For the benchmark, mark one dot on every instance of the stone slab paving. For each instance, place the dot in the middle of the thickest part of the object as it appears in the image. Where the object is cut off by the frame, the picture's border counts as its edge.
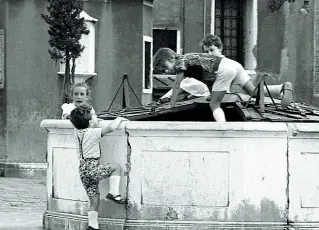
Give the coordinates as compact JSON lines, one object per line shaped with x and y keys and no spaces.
{"x":22,"y":203}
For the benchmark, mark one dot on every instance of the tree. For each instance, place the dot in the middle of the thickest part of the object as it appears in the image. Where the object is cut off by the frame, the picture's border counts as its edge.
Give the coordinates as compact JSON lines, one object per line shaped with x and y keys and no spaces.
{"x":65,"y":31}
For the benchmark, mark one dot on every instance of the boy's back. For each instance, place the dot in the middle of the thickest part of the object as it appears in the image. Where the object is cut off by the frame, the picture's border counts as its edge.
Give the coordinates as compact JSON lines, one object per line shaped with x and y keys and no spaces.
{"x":88,"y":142}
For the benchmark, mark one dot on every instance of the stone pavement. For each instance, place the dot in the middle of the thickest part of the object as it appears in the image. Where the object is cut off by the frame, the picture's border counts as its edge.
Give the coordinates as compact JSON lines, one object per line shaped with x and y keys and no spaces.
{"x":22,"y":203}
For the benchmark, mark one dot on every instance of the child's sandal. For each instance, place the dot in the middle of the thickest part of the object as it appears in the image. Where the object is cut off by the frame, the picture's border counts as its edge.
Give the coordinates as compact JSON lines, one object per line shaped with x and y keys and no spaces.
{"x":91,"y":228}
{"x":116,"y":199}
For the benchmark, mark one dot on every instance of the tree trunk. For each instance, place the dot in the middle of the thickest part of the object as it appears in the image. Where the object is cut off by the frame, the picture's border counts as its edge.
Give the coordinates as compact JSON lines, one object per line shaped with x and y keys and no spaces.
{"x":73,"y":70}
{"x":67,"y":79}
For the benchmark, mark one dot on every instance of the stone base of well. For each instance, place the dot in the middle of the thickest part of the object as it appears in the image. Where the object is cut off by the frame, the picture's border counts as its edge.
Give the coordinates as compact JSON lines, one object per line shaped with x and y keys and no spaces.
{"x":62,"y":221}
{"x":192,"y":175}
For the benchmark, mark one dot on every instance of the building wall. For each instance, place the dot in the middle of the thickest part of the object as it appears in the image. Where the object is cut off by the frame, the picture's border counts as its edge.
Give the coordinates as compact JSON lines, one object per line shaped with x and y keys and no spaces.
{"x":315,"y":100}
{"x":3,"y":119}
{"x":192,"y":18}
{"x":285,"y":47}
{"x":33,"y":88}
{"x":285,"y":50}
{"x":119,"y":45}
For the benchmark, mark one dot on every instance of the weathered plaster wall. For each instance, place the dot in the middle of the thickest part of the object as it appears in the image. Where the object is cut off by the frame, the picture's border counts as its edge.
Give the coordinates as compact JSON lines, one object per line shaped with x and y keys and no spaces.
{"x":204,"y":180}
{"x":285,"y":47}
{"x":303,"y":159}
{"x":147,"y":20}
{"x":32,"y":87}
{"x":168,"y":13}
{"x":196,"y":24}
{"x":3,"y":119}
{"x":119,"y":46}
{"x":192,"y":18}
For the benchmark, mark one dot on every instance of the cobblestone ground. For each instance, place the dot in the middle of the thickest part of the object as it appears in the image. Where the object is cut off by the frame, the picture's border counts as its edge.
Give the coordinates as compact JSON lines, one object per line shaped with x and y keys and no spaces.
{"x":22,"y":203}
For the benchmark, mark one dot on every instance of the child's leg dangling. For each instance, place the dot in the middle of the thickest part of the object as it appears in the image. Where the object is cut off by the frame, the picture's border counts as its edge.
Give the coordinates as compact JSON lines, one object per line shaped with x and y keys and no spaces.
{"x":93,"y":211}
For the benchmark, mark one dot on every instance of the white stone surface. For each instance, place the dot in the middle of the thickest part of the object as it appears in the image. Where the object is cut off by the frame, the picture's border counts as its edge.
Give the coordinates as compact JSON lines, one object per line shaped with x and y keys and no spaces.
{"x":202,"y":171}
{"x":303,"y":167}
{"x":188,"y":178}
{"x":309,"y":184}
{"x":244,"y":162}
{"x":65,"y":191}
{"x":66,"y":179}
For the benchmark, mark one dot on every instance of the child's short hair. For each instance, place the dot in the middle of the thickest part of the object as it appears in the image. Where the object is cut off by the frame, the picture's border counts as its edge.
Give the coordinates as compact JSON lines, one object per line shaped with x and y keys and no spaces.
{"x":80,"y":116}
{"x":210,"y":40}
{"x":160,"y":57}
{"x":81,"y":84}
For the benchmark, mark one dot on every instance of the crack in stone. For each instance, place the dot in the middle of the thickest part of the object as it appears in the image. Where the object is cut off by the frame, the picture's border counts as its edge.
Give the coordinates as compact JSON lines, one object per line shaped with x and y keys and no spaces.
{"x":127,"y":174}
{"x":288,"y":178}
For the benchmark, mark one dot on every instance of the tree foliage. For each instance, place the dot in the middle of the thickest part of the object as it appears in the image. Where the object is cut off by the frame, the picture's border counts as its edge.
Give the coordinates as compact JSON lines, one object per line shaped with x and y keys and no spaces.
{"x":65,"y":31}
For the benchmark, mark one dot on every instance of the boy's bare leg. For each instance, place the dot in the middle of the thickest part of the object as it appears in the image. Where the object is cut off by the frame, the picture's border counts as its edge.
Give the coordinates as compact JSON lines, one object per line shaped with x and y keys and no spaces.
{"x":94,"y":202}
{"x":283,"y":92}
{"x":216,"y":99}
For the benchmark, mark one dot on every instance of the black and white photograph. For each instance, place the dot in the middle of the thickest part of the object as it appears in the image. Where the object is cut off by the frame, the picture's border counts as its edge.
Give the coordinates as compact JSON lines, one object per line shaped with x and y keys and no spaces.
{"x":159,"y":114}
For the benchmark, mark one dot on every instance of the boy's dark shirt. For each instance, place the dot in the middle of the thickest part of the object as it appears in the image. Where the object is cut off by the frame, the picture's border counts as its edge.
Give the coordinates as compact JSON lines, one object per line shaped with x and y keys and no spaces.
{"x":200,"y":66}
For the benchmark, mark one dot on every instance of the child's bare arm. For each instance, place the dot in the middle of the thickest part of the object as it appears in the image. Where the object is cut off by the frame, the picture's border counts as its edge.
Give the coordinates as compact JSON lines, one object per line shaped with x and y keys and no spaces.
{"x":112,"y":126}
{"x":65,"y":116}
{"x":66,"y":110}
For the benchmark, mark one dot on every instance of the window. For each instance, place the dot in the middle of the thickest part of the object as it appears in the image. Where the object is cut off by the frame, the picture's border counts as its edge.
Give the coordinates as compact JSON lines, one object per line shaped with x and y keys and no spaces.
{"x":169,"y":38}
{"x":229,"y":27}
{"x":147,"y":64}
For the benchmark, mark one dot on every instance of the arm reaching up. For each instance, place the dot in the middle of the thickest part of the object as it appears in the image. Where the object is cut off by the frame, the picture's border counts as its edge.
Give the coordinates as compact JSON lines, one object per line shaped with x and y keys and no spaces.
{"x":112,"y":126}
